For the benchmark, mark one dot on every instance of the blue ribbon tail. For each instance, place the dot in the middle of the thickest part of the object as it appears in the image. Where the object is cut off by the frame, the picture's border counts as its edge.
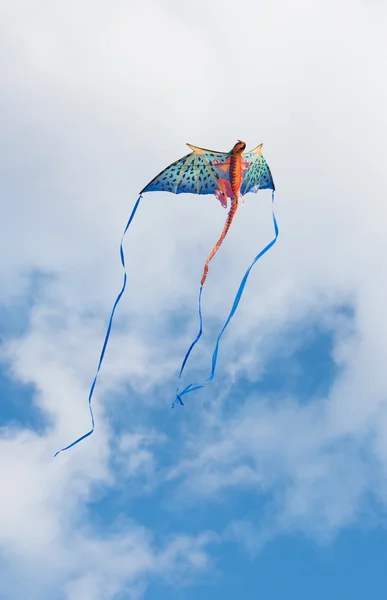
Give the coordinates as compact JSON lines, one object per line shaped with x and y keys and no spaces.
{"x":196,"y":386}
{"x":199,"y":335}
{"x":107,"y":333}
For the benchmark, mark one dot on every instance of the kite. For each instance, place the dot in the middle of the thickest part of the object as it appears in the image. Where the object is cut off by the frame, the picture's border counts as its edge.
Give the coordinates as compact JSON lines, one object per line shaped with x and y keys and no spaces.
{"x":227,"y":175}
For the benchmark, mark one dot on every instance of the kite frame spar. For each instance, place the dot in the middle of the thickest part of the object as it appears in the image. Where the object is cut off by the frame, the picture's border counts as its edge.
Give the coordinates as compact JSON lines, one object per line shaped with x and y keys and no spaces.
{"x":227,"y":175}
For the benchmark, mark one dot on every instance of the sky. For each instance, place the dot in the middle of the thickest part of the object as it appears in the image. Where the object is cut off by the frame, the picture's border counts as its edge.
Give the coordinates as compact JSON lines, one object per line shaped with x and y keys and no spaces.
{"x":271,"y":481}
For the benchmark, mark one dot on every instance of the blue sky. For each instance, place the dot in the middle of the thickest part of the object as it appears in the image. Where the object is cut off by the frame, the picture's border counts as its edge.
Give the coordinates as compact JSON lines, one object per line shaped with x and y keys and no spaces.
{"x":271,"y":481}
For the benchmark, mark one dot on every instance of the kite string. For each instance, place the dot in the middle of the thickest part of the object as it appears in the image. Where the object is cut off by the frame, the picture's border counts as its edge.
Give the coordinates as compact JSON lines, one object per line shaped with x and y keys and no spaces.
{"x":107,"y":332}
{"x":196,"y":386}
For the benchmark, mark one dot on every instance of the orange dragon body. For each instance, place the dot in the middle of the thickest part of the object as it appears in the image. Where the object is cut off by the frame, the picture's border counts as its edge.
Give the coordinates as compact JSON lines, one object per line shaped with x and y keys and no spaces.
{"x":234,"y":166}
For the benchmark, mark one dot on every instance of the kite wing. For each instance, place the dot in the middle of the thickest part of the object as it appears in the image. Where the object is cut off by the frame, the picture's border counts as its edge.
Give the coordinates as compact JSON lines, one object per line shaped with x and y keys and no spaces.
{"x":257,"y":175}
{"x":195,"y":173}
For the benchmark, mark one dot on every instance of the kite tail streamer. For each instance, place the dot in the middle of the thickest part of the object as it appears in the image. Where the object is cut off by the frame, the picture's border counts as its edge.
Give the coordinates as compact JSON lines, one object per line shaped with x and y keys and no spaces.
{"x":107,"y":332}
{"x":227,"y":225}
{"x":196,"y":386}
{"x":199,"y":335}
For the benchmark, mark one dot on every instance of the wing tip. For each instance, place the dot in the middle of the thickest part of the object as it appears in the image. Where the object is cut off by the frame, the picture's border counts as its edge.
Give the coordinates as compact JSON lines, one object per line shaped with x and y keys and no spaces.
{"x":257,"y":149}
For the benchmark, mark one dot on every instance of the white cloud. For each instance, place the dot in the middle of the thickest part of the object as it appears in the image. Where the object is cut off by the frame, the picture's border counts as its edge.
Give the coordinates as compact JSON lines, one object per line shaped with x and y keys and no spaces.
{"x":45,"y":530}
{"x":96,"y":99}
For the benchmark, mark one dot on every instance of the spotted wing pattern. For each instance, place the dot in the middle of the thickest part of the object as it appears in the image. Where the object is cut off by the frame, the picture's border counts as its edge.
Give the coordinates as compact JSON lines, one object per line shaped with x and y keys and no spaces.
{"x":257,"y":176}
{"x":192,"y":174}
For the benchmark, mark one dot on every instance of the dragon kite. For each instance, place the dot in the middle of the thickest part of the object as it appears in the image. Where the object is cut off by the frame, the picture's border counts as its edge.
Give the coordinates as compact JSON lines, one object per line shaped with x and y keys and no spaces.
{"x":227,"y":175}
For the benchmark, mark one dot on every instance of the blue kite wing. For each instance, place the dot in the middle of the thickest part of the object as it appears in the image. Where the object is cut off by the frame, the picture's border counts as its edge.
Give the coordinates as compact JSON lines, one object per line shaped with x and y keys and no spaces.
{"x":257,"y":176}
{"x":192,"y":174}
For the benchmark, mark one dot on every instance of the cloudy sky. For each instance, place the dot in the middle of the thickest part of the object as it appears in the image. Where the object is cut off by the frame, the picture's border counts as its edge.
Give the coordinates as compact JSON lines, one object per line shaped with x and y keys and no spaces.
{"x":271,"y":482}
